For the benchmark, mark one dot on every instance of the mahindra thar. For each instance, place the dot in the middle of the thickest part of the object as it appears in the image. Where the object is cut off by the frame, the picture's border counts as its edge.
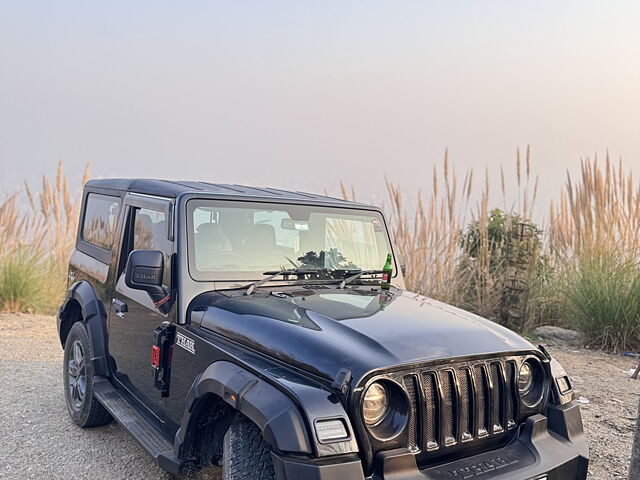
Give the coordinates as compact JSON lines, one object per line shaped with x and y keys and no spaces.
{"x":248,"y":328}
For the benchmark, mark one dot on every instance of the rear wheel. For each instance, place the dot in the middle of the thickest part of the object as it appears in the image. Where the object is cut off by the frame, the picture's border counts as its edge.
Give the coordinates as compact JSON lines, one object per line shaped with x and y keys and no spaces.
{"x":246,"y":454}
{"x":78,"y":376}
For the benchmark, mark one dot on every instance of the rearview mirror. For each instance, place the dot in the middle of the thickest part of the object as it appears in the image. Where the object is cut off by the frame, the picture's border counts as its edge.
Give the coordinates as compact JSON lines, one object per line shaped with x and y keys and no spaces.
{"x":300,"y":226}
{"x":144,"y":271}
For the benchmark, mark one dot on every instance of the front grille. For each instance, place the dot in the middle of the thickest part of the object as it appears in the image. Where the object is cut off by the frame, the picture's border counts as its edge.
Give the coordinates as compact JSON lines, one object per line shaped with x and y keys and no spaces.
{"x":455,"y":404}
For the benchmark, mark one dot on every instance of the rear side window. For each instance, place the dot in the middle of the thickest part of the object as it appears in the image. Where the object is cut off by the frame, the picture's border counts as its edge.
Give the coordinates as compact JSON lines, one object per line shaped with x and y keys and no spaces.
{"x":100,"y":219}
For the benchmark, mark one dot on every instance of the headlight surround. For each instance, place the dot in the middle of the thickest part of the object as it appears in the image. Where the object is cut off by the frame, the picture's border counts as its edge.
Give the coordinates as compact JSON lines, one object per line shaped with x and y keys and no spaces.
{"x":531,"y":382}
{"x":375,"y":404}
{"x":385,"y":409}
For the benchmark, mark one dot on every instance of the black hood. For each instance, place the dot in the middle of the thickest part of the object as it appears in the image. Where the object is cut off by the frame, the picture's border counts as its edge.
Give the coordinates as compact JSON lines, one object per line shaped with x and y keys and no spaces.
{"x":323,"y":329}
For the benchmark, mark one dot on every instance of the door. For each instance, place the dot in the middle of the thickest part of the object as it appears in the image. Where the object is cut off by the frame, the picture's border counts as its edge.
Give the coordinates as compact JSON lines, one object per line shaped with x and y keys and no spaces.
{"x":133,"y":316}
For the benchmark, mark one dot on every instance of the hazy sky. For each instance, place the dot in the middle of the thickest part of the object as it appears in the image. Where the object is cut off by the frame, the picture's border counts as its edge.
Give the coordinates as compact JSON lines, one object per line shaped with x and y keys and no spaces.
{"x":304,"y":94}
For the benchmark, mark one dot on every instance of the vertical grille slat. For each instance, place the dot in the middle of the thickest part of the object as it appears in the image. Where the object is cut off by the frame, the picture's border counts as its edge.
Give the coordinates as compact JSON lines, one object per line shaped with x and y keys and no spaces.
{"x":430,"y":412}
{"x":482,"y":389}
{"x":448,"y":413}
{"x":509,"y":393}
{"x":461,"y":403}
{"x":410,"y":382}
{"x":466,"y":405}
{"x":497,"y":397}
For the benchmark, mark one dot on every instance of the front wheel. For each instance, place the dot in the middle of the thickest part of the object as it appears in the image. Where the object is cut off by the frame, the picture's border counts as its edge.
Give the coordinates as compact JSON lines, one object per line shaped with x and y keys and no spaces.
{"x":246,"y":454}
{"x":78,"y":375}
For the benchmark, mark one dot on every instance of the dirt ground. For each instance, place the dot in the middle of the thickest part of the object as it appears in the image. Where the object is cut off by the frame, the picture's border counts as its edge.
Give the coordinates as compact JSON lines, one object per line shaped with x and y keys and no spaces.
{"x":38,"y":440}
{"x":609,"y":417}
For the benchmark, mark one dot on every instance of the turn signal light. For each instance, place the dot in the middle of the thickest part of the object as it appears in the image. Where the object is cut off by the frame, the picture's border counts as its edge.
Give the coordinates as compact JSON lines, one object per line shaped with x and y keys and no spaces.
{"x":329,"y":430}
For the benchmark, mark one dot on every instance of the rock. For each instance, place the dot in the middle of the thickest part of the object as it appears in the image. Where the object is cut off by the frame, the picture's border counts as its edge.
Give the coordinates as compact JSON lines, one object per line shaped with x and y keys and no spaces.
{"x":557,"y":335}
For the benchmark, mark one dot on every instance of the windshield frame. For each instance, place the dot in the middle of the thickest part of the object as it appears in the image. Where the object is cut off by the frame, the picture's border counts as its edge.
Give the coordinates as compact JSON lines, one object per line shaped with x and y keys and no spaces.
{"x":245,"y":276}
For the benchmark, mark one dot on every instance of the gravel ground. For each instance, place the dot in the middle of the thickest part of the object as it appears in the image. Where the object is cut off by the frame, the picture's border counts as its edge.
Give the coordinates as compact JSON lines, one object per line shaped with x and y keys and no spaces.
{"x":609,"y":417}
{"x":40,"y":441}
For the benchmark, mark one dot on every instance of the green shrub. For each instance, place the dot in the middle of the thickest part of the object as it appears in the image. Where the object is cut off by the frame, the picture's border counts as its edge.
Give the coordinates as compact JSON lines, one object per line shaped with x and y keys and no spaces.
{"x":602,"y":295}
{"x":21,"y":280}
{"x":501,"y":267}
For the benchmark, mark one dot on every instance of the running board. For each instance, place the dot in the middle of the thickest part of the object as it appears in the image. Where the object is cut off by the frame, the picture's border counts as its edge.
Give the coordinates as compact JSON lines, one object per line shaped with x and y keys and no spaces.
{"x":154,"y":442}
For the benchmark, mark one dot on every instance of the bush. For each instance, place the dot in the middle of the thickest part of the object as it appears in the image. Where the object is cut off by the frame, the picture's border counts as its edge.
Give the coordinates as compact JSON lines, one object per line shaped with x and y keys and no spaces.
{"x":602,"y":296}
{"x":501,"y":260}
{"x":21,"y":281}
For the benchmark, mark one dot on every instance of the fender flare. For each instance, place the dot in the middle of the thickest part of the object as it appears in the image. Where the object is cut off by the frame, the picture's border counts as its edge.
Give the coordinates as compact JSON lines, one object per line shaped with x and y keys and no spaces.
{"x":276,"y":415}
{"x":94,"y":317}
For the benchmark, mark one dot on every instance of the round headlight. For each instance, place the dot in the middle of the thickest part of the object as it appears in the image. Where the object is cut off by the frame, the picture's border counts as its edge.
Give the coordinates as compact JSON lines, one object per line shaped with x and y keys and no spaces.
{"x":376,"y":404}
{"x":525,"y":379}
{"x":531,"y":382}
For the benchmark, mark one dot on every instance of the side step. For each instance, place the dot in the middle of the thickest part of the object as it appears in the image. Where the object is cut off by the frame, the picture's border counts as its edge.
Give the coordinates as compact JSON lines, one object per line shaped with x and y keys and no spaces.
{"x":154,"y":442}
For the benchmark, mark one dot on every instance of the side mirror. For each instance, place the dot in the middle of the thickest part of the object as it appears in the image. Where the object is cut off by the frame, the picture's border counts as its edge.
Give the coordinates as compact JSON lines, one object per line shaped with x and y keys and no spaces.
{"x":144,"y":272}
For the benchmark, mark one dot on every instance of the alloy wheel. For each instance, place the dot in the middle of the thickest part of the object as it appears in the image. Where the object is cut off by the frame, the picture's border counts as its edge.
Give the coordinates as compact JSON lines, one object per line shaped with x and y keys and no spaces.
{"x":77,"y":375}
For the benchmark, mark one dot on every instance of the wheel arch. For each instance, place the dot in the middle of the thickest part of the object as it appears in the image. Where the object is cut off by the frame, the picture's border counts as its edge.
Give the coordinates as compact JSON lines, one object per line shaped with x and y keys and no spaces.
{"x":70,"y":313}
{"x":225,"y":391}
{"x":83,"y":304}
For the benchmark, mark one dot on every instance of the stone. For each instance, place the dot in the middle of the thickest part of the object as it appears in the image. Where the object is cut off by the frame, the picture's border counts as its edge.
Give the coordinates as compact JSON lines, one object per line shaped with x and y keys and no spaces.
{"x":557,"y":335}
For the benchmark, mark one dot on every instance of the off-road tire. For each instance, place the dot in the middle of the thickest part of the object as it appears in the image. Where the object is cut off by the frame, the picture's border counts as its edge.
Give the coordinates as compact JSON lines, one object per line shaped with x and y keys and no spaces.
{"x":85,"y":410}
{"x":246,"y":454}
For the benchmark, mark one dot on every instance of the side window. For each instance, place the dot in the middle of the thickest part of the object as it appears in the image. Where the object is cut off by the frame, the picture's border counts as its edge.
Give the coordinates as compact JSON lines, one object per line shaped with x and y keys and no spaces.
{"x":150,"y":233}
{"x":100,"y":219}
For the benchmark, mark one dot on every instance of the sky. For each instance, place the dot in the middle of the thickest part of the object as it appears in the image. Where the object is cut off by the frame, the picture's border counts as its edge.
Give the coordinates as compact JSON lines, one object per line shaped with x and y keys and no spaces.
{"x":302,"y":95}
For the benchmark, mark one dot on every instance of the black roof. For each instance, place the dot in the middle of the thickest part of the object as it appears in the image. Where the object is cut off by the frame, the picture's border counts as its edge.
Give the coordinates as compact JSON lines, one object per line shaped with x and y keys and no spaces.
{"x":173,"y":188}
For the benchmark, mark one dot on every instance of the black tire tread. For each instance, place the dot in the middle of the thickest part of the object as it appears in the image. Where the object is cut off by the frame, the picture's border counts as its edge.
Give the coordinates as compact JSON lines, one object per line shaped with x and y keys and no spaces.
{"x":246,"y":454}
{"x":93,"y":414}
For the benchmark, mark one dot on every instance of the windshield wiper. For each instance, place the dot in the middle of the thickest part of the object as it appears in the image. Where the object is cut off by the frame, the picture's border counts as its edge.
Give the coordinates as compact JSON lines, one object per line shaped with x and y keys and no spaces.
{"x":288,"y":271}
{"x":357,"y":276}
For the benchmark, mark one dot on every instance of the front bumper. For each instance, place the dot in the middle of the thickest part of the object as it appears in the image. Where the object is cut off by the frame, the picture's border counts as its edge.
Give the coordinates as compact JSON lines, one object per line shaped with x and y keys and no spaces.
{"x":552,"y":447}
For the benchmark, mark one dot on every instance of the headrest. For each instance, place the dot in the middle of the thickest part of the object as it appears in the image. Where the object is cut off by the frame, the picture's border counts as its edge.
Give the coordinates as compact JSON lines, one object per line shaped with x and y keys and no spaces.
{"x":210,"y":231}
{"x":264,"y":233}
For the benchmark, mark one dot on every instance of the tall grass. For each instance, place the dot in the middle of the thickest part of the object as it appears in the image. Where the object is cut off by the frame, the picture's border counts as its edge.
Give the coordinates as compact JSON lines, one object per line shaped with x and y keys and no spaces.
{"x":603,"y":301}
{"x":37,"y":233}
{"x":599,"y":212}
{"x":430,"y":239}
{"x":452,"y":245}
{"x":580,"y":270}
{"x":594,"y":240}
{"x":21,"y":280}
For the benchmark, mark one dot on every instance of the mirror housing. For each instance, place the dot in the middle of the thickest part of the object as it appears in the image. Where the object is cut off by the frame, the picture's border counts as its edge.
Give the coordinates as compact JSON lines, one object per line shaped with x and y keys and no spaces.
{"x":144,"y":272}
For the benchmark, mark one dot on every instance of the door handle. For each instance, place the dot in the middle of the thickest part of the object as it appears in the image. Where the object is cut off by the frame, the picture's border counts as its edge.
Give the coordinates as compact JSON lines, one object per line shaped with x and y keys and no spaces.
{"x":120,"y":307}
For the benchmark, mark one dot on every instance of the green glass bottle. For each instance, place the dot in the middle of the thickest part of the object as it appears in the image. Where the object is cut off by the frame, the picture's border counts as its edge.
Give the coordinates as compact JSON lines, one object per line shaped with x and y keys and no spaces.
{"x":387,"y":271}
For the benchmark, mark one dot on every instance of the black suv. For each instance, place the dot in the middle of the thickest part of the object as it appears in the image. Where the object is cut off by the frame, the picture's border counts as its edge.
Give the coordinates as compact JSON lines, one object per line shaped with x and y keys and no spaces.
{"x":247,"y":327}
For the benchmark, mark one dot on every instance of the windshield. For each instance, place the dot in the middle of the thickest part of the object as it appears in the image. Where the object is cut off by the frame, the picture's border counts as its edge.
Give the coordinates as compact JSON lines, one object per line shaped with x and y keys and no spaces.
{"x":242,"y":240}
